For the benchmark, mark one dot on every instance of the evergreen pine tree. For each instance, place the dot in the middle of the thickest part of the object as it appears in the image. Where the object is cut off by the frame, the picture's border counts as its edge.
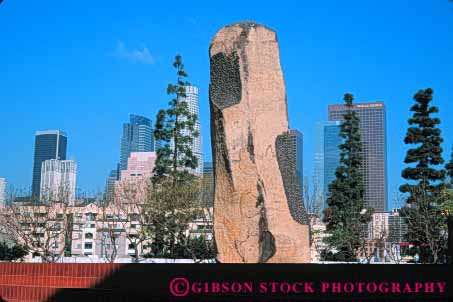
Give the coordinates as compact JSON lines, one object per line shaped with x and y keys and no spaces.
{"x":175,"y":131}
{"x":174,"y":199}
{"x":425,"y":179}
{"x":449,"y":168}
{"x":427,"y":154}
{"x":344,"y":215}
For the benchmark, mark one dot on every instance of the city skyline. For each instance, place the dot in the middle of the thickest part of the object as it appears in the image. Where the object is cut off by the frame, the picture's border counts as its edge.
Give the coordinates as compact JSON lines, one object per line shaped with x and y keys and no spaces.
{"x":334,"y":110}
{"x":321,"y":61}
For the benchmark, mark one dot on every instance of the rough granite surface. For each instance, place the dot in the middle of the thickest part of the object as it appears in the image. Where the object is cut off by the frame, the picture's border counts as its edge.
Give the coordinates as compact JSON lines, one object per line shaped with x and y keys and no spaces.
{"x":258,"y":210}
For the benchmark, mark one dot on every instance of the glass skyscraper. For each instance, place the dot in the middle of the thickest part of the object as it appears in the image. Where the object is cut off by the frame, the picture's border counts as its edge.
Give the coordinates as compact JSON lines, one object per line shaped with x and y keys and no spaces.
{"x":327,"y":158}
{"x":373,"y":133}
{"x":332,"y":140}
{"x":137,"y":137}
{"x":49,"y":144}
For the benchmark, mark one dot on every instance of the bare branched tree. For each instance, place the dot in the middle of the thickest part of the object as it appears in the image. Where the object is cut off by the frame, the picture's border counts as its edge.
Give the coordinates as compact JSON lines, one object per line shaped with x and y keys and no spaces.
{"x":109,"y":230}
{"x":393,"y":251}
{"x":313,"y":199}
{"x":130,"y":198}
{"x":426,"y":224}
{"x":378,"y":242}
{"x":313,"y":205}
{"x":41,"y":226}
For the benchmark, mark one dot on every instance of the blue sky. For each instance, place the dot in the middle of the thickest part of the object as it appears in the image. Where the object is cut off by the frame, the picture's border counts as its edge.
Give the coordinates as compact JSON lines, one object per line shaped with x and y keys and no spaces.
{"x":84,"y":66}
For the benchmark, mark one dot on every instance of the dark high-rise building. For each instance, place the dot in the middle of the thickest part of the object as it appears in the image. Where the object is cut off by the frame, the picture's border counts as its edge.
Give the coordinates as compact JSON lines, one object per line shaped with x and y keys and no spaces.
{"x":137,"y":137}
{"x":50,"y":144}
{"x":372,"y":130}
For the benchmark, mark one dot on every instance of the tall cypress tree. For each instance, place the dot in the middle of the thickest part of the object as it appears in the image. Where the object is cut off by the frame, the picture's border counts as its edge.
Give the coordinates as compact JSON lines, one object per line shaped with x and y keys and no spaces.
{"x":425,"y":179}
{"x":175,"y":131}
{"x":427,"y":153}
{"x":344,"y":215}
{"x":449,"y":168}
{"x":174,"y":199}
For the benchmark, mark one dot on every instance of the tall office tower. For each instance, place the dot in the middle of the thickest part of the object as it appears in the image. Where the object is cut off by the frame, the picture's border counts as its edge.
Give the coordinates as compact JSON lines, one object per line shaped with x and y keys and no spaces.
{"x":372,"y":130}
{"x":58,"y":180}
{"x":298,"y":155}
{"x":50,"y":144}
{"x":2,"y":192}
{"x":137,"y":137}
{"x":327,"y":158}
{"x":192,"y":103}
{"x":332,"y":140}
{"x":114,"y":175}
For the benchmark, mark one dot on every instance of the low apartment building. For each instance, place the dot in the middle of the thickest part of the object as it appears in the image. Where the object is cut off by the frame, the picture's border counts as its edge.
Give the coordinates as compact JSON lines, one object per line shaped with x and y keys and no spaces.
{"x":101,"y":232}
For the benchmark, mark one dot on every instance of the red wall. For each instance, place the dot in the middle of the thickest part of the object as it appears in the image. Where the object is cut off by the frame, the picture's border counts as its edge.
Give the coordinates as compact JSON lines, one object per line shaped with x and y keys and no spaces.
{"x":23,"y":282}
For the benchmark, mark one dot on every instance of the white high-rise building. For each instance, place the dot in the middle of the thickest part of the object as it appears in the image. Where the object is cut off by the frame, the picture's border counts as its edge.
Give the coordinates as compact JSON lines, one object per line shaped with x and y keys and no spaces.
{"x":58,"y":180}
{"x":192,"y":102}
{"x":2,"y":192}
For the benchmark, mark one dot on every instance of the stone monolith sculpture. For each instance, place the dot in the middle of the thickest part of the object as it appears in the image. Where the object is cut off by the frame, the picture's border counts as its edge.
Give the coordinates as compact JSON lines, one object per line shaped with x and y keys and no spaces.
{"x":258,"y":210}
